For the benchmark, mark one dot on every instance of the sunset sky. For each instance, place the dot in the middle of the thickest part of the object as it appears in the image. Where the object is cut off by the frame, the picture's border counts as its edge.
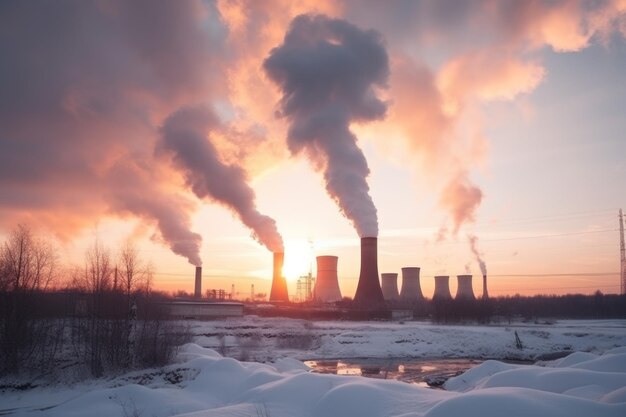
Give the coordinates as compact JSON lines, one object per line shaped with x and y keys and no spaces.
{"x":207,"y":131}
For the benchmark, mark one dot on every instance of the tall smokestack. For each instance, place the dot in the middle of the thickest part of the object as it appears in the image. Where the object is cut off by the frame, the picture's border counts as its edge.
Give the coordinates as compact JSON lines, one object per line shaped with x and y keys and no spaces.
{"x":198,"y":288}
{"x":442,"y":288}
{"x":464,"y":289}
{"x":279,"y":284}
{"x":411,"y":289}
{"x":390,"y":286}
{"x":368,"y":291}
{"x":485,"y":294}
{"x":327,"y":284}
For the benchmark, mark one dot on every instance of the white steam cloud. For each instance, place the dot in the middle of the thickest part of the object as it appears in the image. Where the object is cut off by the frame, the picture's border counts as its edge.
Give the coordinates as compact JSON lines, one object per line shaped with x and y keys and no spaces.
{"x":327,"y":70}
{"x":184,"y":138}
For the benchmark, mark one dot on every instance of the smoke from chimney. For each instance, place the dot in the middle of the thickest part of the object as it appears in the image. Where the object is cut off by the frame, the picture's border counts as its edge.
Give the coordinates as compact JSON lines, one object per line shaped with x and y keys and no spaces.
{"x":184,"y":138}
{"x":473,"y":246}
{"x":327,"y":70}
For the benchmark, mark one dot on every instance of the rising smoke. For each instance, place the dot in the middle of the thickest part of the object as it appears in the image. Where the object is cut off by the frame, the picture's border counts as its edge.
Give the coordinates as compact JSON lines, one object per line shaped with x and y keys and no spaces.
{"x":473,"y":240}
{"x":327,"y":70}
{"x":184,"y":139}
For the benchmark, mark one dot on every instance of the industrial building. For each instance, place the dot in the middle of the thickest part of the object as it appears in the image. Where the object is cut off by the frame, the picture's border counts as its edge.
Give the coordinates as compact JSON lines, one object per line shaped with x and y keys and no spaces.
{"x":411,"y":288}
{"x":201,"y":310}
{"x":442,"y":288}
{"x":279,"y":283}
{"x":464,"y":289}
{"x":369,"y":295}
{"x":389,"y":286}
{"x":327,"y":284}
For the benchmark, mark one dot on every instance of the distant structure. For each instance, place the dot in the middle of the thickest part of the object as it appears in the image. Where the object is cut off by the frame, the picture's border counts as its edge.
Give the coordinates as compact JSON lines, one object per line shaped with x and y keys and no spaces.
{"x":622,"y":252}
{"x":485,"y":293}
{"x":304,"y":287}
{"x":442,"y":288}
{"x":279,"y":284}
{"x":327,"y":284}
{"x":411,"y":289}
{"x":368,"y":292}
{"x":464,"y":289}
{"x":390,"y":286}
{"x":198,"y":287}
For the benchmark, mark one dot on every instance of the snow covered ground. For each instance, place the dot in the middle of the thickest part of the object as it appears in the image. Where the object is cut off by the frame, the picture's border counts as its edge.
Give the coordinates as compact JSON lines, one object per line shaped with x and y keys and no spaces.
{"x":590,"y":382}
{"x":266,"y":339}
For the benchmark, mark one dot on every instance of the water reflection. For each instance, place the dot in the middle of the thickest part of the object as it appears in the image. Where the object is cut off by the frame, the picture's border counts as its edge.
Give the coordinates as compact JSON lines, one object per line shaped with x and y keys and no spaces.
{"x":420,"y":372}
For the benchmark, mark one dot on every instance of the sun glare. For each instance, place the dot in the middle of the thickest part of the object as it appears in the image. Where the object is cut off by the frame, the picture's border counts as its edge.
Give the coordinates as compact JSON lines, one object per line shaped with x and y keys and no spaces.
{"x":298,"y":259}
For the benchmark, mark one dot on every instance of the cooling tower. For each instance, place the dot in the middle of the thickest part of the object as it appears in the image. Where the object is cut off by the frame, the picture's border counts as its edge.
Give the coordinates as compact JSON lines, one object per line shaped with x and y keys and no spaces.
{"x":327,"y":284}
{"x":198,"y":288}
{"x":442,"y":288}
{"x":279,"y":284}
{"x":464,"y":289}
{"x":368,"y":293}
{"x":485,"y":294}
{"x":390,"y":286}
{"x":411,"y":289}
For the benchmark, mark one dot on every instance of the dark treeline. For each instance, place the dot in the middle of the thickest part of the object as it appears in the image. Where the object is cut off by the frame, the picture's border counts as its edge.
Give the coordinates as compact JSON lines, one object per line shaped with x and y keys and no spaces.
{"x":103,"y":320}
{"x":572,"y":306}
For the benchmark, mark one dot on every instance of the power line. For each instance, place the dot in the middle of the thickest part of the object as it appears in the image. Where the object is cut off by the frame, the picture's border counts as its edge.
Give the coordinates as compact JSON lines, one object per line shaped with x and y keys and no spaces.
{"x":552,"y":235}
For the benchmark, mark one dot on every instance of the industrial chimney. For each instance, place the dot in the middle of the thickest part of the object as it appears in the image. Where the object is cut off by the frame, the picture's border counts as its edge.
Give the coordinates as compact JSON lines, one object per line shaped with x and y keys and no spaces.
{"x":198,"y":288}
{"x":389,"y":286}
{"x":368,"y":292}
{"x":411,"y":289}
{"x":442,"y":288}
{"x":485,"y":294}
{"x":464,"y":289}
{"x":279,"y":284}
{"x":327,"y":284}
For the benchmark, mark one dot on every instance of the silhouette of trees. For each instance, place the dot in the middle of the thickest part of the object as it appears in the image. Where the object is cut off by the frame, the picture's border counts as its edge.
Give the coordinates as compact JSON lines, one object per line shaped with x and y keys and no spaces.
{"x":27,"y":334}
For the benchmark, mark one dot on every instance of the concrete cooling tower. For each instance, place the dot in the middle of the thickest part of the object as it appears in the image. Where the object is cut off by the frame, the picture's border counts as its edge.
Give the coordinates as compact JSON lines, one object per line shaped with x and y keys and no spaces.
{"x":390,"y":286}
{"x":411,"y":289}
{"x":464,"y":290}
{"x":442,"y":288}
{"x":279,"y":284}
{"x":327,"y":284}
{"x":368,"y":293}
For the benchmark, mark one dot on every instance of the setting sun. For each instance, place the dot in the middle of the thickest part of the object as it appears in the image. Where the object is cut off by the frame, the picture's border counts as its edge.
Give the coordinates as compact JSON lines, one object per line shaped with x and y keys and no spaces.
{"x":298,"y":259}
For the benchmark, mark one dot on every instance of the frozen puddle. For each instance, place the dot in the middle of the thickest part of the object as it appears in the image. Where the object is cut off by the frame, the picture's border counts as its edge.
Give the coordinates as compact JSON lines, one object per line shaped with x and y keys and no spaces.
{"x":422,"y":372}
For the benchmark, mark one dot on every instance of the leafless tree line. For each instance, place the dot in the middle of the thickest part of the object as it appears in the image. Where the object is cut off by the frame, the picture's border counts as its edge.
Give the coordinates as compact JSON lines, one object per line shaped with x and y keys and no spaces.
{"x":105,"y":319}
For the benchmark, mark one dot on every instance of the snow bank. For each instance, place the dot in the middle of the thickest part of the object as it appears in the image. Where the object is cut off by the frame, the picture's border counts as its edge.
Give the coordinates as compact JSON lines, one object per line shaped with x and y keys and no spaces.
{"x":205,"y":384}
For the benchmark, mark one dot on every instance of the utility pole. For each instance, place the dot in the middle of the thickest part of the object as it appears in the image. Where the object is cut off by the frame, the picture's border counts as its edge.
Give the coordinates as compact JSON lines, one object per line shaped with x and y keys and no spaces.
{"x":622,"y":248}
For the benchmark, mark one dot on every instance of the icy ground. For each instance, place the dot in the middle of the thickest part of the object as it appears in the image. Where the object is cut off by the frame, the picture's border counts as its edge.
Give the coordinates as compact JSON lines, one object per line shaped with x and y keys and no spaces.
{"x":267,"y":339}
{"x":589,"y":382}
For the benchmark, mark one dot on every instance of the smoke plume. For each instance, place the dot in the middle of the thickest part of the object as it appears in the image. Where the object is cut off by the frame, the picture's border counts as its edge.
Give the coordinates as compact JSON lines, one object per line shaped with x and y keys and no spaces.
{"x":473,"y":241}
{"x":461,"y":198}
{"x":184,"y":138}
{"x":327,"y":70}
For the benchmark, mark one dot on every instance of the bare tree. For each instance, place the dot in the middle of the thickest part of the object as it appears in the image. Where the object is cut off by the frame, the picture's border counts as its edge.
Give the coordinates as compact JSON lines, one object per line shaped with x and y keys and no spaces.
{"x":27,"y":268}
{"x":27,"y":264}
{"x":136,"y":275}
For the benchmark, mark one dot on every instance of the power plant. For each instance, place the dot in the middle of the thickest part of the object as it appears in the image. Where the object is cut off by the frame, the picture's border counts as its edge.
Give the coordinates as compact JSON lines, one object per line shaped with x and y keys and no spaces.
{"x":390,"y":286}
{"x":442,"y":288}
{"x":371,"y":294}
{"x":411,"y":289}
{"x":368,"y":292}
{"x":279,"y":283}
{"x":327,"y":284}
{"x":198,"y":285}
{"x":464,"y":289}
